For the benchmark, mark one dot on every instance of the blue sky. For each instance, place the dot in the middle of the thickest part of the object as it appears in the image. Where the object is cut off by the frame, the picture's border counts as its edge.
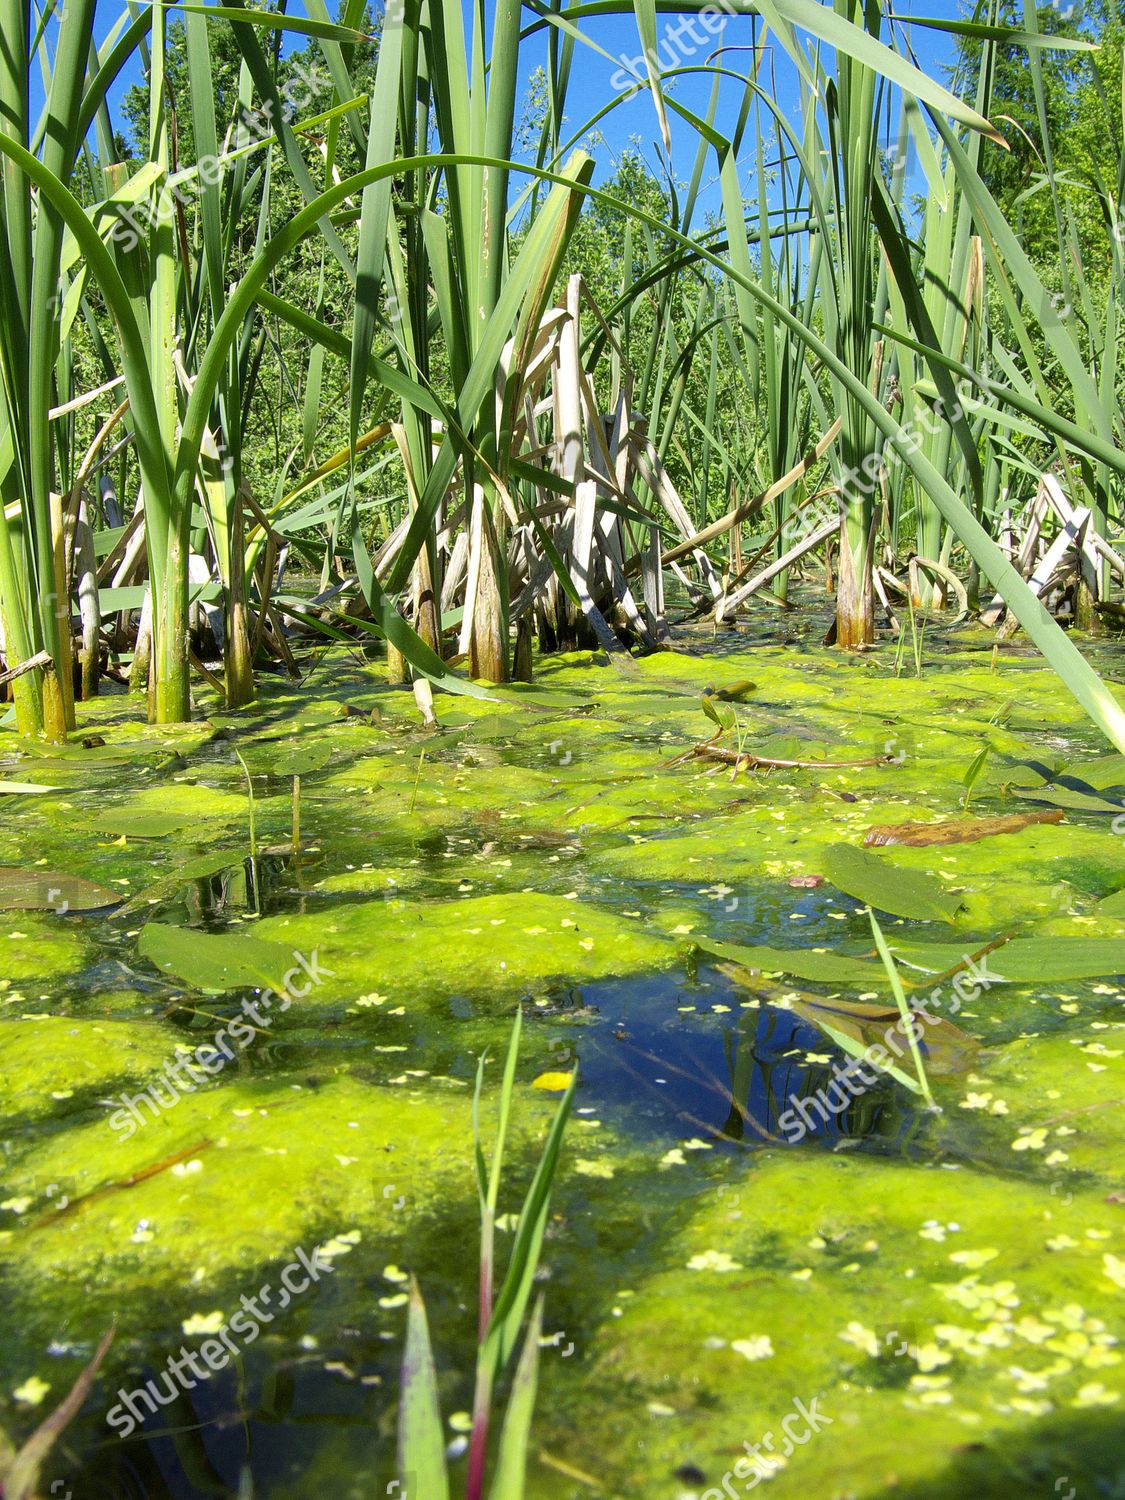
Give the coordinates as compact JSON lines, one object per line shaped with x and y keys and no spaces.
{"x":634,"y":121}
{"x":597,"y":79}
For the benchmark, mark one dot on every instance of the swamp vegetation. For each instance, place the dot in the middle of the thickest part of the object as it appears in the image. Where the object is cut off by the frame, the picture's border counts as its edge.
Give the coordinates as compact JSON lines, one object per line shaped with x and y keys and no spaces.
{"x":562,"y":753}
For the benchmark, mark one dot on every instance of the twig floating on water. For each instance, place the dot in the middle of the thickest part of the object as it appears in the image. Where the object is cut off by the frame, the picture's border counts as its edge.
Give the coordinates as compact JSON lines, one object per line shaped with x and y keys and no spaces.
{"x":744,"y":760}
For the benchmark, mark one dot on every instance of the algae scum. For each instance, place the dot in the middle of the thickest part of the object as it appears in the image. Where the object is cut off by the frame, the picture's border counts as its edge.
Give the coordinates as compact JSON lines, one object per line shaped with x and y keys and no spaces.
{"x":877,"y":1297}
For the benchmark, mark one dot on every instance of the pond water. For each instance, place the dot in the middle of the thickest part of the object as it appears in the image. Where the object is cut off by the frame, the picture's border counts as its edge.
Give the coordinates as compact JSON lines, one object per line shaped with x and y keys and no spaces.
{"x":927,"y":1298}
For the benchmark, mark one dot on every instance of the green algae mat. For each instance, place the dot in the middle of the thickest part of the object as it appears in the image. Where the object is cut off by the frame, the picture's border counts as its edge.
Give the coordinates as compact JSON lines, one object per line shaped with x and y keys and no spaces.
{"x":242,"y":1020}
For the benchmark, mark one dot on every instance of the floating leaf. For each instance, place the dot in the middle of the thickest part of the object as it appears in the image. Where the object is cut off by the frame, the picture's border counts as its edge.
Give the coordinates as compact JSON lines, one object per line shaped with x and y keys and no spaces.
{"x":143,"y":825}
{"x":1071,"y":798}
{"x":215,"y":961}
{"x":937,"y":958}
{"x":1112,"y":906}
{"x":300,"y":760}
{"x":1031,"y":959}
{"x":24,"y":788}
{"x":887,"y":887}
{"x":44,"y":890}
{"x":945,"y":1047}
{"x":1105,"y":771}
{"x":494,"y":726}
{"x":1023,"y":774}
{"x":804,"y":963}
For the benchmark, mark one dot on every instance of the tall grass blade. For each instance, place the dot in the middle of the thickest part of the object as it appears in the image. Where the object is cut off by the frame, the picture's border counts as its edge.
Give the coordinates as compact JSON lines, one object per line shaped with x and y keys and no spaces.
{"x":909,"y":1022}
{"x":421,"y":1439}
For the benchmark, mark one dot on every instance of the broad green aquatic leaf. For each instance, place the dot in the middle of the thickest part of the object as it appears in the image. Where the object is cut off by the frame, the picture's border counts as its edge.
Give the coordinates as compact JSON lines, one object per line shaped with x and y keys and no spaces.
{"x":495,"y":726}
{"x":1045,"y":960}
{"x":1111,"y":906}
{"x":804,"y":963}
{"x":1069,"y":797}
{"x":208,"y":864}
{"x":142,"y":825}
{"x":1025,"y":774}
{"x":44,"y":890}
{"x":215,"y":961}
{"x":793,"y":747}
{"x":300,"y":760}
{"x":934,"y":958}
{"x":421,"y":1440}
{"x":736,"y":692}
{"x":24,"y":788}
{"x":887,"y":887}
{"x":1105,"y":771}
{"x":50,"y":759}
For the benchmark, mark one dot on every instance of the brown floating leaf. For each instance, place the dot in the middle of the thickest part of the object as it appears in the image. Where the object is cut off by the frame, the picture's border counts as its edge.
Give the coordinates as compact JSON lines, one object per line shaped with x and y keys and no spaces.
{"x":45,"y":890}
{"x":948,"y":1049}
{"x":959,"y":831}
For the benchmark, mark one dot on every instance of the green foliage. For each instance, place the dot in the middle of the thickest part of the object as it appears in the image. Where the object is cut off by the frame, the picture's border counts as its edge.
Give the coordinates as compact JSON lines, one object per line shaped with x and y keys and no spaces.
{"x":1082,"y":110}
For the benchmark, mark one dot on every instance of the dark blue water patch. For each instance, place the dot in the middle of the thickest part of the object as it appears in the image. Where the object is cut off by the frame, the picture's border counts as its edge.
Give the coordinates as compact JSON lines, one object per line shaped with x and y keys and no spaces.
{"x":268,"y":1420}
{"x":742,"y":1077}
